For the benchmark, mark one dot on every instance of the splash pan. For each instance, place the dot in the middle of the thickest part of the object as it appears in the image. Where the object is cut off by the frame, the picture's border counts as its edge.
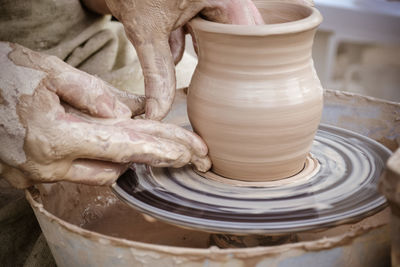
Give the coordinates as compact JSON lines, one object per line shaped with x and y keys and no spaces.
{"x":337,"y":185}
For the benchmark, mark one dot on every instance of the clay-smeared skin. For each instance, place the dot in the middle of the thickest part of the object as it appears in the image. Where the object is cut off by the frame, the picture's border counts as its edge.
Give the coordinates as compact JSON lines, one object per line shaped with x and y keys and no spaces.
{"x":52,"y":140}
{"x":255,"y":97}
{"x":149,"y":24}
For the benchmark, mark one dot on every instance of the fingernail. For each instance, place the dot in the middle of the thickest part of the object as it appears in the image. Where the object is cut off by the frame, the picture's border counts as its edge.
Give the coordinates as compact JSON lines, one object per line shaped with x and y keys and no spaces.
{"x":202,"y":164}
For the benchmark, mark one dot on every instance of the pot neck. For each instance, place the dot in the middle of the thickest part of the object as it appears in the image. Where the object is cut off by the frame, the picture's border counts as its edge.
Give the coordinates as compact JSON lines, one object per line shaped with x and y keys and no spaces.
{"x":286,"y":53}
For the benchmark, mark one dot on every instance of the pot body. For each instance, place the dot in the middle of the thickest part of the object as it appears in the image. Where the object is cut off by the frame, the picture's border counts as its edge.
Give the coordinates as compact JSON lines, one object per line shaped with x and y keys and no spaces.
{"x":256,"y":99}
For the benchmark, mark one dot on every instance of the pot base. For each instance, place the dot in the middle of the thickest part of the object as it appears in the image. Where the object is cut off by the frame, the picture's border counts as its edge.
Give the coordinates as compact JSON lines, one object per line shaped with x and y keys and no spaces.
{"x":311,"y":167}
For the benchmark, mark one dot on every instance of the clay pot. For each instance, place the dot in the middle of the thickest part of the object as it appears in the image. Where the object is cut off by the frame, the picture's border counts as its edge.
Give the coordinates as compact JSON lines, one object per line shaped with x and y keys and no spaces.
{"x":255,"y":97}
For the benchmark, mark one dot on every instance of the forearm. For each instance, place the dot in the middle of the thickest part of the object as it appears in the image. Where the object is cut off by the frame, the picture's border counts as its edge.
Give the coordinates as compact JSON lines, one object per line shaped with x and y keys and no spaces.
{"x":98,"y":6}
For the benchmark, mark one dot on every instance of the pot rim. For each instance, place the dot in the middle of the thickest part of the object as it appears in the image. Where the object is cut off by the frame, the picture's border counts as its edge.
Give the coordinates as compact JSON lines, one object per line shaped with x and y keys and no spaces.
{"x":312,"y":21}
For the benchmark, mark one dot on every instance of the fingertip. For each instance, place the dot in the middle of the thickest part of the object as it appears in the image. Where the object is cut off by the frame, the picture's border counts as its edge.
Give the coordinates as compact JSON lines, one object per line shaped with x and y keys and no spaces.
{"x":202,"y":164}
{"x":200,"y":147}
{"x":155,"y":110}
{"x":159,"y":76}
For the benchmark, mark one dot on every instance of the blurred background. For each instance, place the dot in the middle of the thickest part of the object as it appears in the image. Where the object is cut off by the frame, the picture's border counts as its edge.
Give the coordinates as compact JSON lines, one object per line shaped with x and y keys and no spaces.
{"x":357,"y":47}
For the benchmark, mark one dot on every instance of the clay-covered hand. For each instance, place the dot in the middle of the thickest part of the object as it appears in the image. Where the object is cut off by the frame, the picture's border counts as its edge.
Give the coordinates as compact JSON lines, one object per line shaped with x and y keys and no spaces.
{"x":59,"y":123}
{"x":149,"y":25}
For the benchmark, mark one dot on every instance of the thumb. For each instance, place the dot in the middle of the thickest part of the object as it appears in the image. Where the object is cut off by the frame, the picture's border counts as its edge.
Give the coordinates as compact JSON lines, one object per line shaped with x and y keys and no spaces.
{"x":177,"y":44}
{"x":159,"y":76}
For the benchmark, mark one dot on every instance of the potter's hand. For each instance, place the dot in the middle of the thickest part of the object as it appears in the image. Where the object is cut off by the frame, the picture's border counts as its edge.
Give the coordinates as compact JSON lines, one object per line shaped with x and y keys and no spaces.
{"x":149,"y":25}
{"x":88,"y":137}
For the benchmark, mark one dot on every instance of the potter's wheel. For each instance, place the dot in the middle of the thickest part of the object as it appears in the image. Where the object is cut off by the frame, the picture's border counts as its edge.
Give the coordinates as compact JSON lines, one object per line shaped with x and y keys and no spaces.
{"x":337,"y":185}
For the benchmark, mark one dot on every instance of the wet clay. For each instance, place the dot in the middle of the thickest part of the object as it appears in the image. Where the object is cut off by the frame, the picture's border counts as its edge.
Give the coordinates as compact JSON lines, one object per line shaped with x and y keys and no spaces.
{"x":359,"y":245}
{"x":15,"y":81}
{"x":255,"y":97}
{"x":97,"y":209}
{"x":122,"y":221}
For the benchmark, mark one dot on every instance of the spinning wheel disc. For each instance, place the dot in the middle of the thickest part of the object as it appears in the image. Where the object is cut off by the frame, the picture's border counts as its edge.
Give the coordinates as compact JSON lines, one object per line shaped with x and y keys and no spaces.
{"x":338,"y":185}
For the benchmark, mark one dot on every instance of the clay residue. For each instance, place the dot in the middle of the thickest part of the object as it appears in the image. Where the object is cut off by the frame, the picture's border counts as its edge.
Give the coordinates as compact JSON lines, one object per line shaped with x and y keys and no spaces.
{"x":15,"y":81}
{"x":122,"y":221}
{"x":97,"y":209}
{"x":375,"y":118}
{"x":389,"y":143}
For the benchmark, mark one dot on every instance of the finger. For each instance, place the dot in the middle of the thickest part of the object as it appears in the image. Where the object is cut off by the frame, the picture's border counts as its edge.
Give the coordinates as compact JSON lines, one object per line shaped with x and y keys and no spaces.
{"x":94,"y":172}
{"x":136,"y":103}
{"x":258,"y":19}
{"x":176,"y":134}
{"x":121,"y":145}
{"x":149,"y":128}
{"x":159,"y":76}
{"x":202,"y":164}
{"x":194,"y":42}
{"x":177,"y":44}
{"x":168,"y":131}
{"x":87,"y":93}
